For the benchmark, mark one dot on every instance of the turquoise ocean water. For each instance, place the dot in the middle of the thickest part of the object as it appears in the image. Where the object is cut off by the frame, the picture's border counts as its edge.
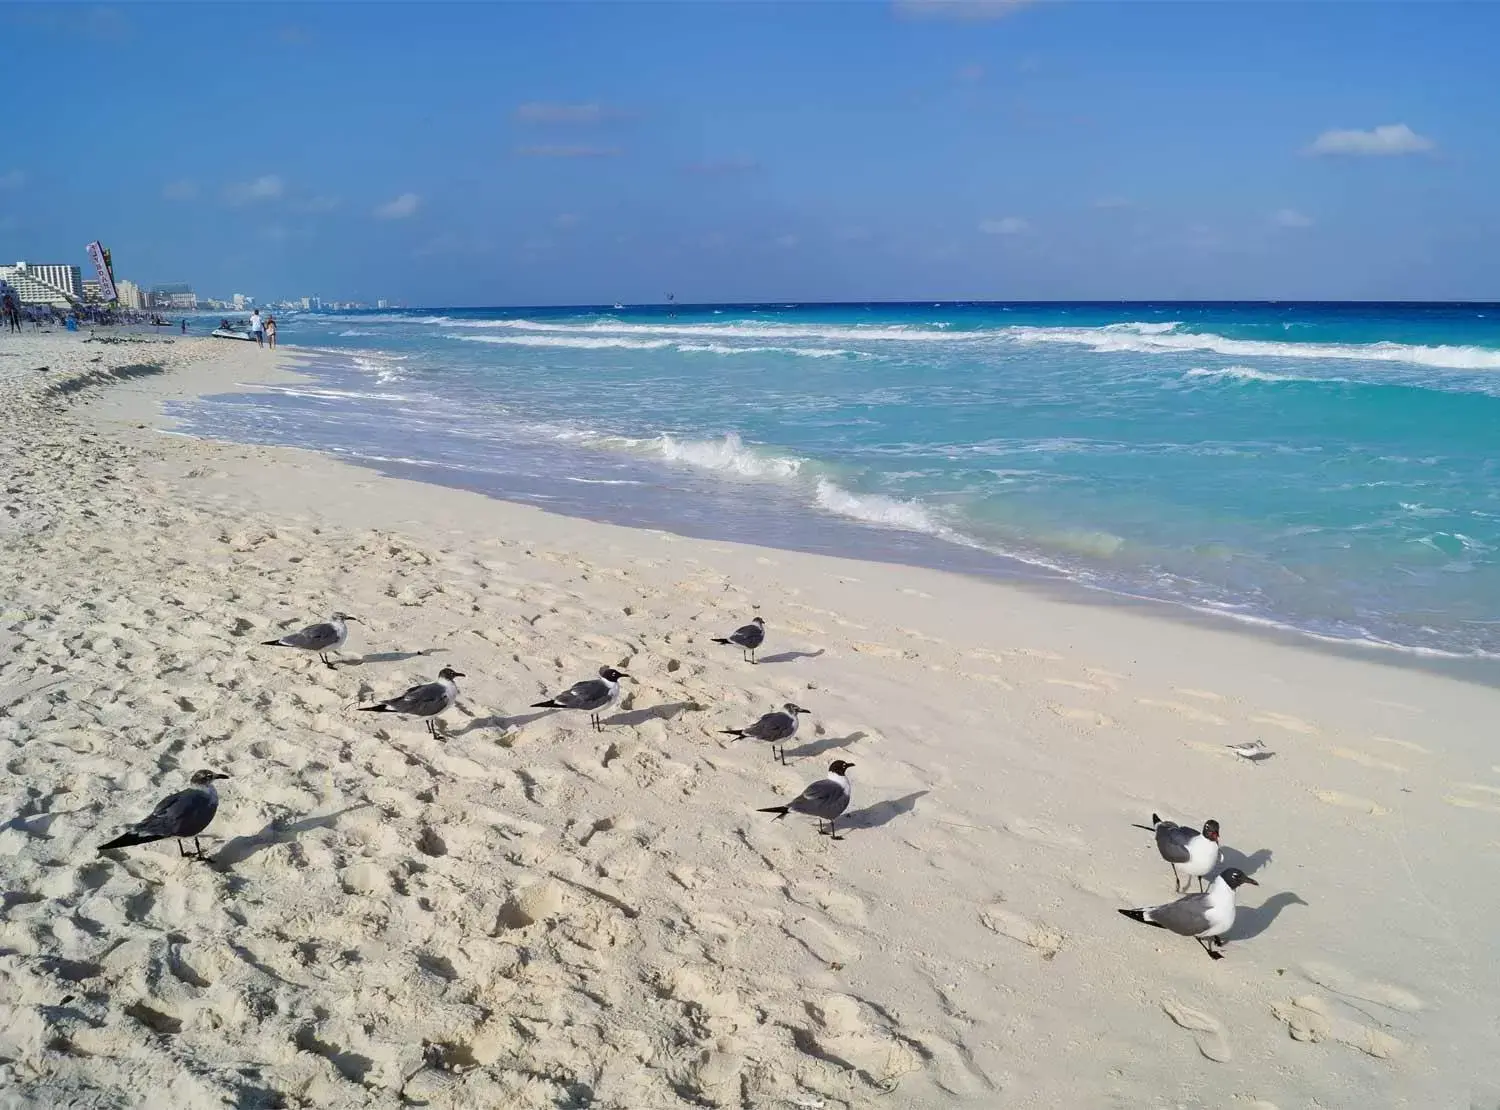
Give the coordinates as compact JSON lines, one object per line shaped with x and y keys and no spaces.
{"x":1328,"y":468}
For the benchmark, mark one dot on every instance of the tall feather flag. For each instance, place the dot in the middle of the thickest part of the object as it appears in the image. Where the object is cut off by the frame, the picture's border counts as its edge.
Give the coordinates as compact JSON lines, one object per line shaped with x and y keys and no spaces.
{"x":104,"y":268}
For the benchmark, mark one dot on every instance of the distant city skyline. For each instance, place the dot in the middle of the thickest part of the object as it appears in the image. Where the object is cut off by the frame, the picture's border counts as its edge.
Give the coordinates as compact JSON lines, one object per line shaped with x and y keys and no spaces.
{"x":593,"y":153}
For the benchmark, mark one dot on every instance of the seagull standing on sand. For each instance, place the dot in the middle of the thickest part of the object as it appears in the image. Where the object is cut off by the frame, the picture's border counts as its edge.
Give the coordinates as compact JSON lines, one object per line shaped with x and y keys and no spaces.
{"x":747,"y":638}
{"x":183,"y":814}
{"x":1252,"y":752}
{"x":825,"y":799}
{"x":425,"y":700}
{"x":1191,"y":853}
{"x":592,"y":695}
{"x":774,"y":728}
{"x":321,"y":638}
{"x":1204,"y":917}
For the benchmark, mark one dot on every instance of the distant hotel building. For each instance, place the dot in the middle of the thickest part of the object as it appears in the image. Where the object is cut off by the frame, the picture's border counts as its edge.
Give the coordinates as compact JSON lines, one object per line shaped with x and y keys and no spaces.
{"x":382,"y":304}
{"x":174,"y":296}
{"x":131,"y":295}
{"x":239,"y":302}
{"x":44,"y":283}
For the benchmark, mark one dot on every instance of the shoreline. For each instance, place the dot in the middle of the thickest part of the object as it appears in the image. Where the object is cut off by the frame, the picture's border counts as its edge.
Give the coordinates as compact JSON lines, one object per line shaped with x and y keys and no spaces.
{"x":907,"y":549}
{"x":526,"y":910}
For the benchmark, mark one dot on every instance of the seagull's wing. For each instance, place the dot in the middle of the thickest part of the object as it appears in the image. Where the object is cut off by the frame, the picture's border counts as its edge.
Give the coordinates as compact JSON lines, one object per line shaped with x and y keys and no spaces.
{"x":824,"y":798}
{"x":1186,"y":917}
{"x":422,"y":701}
{"x":773,"y":727}
{"x":587,"y":694}
{"x":748,"y":635}
{"x":1172,"y":842}
{"x":315,"y":637}
{"x":185,"y":813}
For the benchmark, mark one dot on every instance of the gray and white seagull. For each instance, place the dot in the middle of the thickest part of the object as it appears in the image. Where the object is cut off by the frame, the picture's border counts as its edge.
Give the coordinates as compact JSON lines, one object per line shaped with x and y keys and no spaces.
{"x":1190,"y":852}
{"x":775,"y":728}
{"x":592,"y":696}
{"x":321,"y":638}
{"x":183,"y":814}
{"x":1204,"y":917}
{"x":747,"y":638}
{"x":427,"y":699}
{"x":825,"y":799}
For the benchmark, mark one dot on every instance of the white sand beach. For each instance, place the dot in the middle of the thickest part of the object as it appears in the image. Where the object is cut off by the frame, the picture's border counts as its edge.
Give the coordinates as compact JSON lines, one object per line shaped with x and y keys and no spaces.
{"x":524,"y":913}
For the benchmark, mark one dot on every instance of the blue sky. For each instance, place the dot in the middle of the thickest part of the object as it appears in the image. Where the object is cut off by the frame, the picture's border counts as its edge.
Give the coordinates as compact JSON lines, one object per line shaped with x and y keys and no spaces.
{"x":585,"y":153}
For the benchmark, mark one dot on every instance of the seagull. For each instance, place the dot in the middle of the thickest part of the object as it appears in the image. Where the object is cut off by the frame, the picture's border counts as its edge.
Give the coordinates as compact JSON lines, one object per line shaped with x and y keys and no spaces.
{"x":426,"y":699}
{"x":747,"y":637}
{"x":593,"y":695}
{"x":321,"y":638}
{"x":1253,"y":752}
{"x":1194,"y":854}
{"x":825,"y":799}
{"x":776,"y":727}
{"x":1201,"y":916}
{"x":185,"y":813}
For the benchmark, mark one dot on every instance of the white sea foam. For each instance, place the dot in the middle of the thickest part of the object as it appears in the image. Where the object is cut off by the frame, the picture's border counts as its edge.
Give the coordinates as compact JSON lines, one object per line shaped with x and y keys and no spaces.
{"x":577,"y":342}
{"x":353,"y":331}
{"x":1110,"y":338}
{"x":725,"y":456}
{"x":874,"y":508}
{"x":1240,"y":373}
{"x":747,"y":330}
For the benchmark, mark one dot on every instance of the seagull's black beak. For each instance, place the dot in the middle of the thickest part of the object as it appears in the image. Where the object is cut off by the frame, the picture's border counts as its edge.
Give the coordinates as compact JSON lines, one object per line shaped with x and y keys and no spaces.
{"x":459,"y":674}
{"x":356,"y":620}
{"x":218,"y":775}
{"x":1248,"y":879}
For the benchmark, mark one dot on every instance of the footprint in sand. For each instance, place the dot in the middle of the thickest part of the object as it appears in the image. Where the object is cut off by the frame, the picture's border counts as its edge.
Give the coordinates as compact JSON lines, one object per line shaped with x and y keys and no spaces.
{"x":1091,"y":717}
{"x":1311,"y":1018}
{"x":1407,"y":744}
{"x":1282,"y":720}
{"x":1042,"y":834}
{"x":1208,"y":1031}
{"x":1349,"y":801}
{"x":1201,"y":695}
{"x":1471,"y":803}
{"x":1046,"y":940}
{"x":1339,"y":981}
{"x":1365,"y":760}
{"x":1191,"y":712}
{"x":1074,"y":684}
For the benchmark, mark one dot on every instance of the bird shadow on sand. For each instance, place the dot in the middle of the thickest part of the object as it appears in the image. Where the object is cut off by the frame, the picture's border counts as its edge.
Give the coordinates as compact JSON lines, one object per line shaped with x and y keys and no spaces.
{"x":386,"y":657}
{"x":823,"y":745}
{"x":790,"y":656}
{"x":276,"y":832}
{"x":501,"y":722}
{"x":664,"y":712}
{"x":1233,"y":857}
{"x":1252,"y":921}
{"x":881,"y":813}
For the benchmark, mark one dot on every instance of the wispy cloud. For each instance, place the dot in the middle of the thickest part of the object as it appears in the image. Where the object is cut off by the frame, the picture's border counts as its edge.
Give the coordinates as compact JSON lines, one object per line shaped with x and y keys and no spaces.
{"x":970,"y":74}
{"x":1008,"y":225}
{"x":399,"y":209}
{"x":1290,"y":217}
{"x":554,"y":112}
{"x":1387,"y":139}
{"x":180,"y":190}
{"x":723,"y":167}
{"x":567,"y":220}
{"x":960,"y":11}
{"x":292,"y":35}
{"x":786,"y":242}
{"x":266,"y":187}
{"x":12,"y":179}
{"x":569,"y":151}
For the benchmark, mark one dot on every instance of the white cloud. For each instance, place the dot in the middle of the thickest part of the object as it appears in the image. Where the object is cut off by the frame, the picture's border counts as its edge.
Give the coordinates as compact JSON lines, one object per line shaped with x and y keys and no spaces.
{"x":959,"y":11}
{"x":569,"y":151}
{"x":316,"y":205}
{"x":1389,"y":138}
{"x":180,"y":190}
{"x":267,"y":187}
{"x":14,"y":179}
{"x":1290,"y":217}
{"x":542,"y":111}
{"x":724,"y":167}
{"x":1010,"y":225}
{"x":400,"y":208}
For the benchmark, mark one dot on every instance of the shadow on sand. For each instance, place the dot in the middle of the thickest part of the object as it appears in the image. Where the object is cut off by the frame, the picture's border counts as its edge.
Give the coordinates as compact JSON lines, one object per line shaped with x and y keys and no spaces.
{"x":663,"y":712}
{"x":823,"y":745}
{"x":881,"y":813}
{"x":386,"y":657}
{"x":242,"y":848}
{"x":1252,"y":921}
{"x":790,"y":656}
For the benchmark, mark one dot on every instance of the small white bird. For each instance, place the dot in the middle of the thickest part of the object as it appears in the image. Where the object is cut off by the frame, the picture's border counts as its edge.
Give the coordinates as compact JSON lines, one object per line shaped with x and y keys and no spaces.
{"x":1252,"y":752}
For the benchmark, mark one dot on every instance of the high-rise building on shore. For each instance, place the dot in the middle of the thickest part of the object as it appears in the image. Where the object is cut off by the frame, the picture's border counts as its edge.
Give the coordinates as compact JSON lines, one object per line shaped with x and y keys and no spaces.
{"x":239,"y":300}
{"x":179,"y":295}
{"x":45,"y":283}
{"x":131,"y":294}
{"x":382,"y":304}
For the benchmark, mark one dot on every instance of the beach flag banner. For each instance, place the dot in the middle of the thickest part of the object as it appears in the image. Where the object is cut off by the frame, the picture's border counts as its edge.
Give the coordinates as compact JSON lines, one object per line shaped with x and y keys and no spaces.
{"x":100,"y":258}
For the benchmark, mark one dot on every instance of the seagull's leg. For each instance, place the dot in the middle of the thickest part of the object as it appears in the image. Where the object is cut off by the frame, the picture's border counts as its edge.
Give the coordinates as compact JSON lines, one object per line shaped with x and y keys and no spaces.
{"x":1212,"y":955}
{"x":198,"y":850}
{"x":323,"y":655}
{"x":1200,"y":884}
{"x":181,"y":851}
{"x":831,"y":831}
{"x":1176,"y":879}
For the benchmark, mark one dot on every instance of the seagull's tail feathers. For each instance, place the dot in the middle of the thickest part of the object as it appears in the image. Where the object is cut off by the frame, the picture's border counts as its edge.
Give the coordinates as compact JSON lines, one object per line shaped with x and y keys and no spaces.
{"x":383,"y":707}
{"x":780,"y":811}
{"x":273,"y":643}
{"x":737,"y":733}
{"x":1148,"y":828}
{"x":126,"y":840}
{"x":722,"y":640}
{"x":1140,"y":915}
{"x":550,"y":703}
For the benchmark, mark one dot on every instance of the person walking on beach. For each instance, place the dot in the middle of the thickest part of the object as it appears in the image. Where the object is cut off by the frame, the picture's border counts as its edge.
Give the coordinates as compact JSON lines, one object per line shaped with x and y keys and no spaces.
{"x":271,"y":332}
{"x":12,"y":314}
{"x":257,"y":329}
